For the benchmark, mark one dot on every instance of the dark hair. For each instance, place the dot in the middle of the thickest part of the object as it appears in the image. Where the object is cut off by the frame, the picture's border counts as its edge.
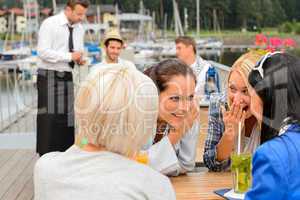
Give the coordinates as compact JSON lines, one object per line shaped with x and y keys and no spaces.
{"x":73,"y":3}
{"x":186,"y":40}
{"x":279,"y":90}
{"x":112,"y":39}
{"x":164,"y":71}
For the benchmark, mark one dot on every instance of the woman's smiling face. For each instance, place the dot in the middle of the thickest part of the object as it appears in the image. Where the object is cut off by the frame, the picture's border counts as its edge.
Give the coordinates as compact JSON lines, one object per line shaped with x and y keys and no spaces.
{"x":176,"y":100}
{"x":238,"y":92}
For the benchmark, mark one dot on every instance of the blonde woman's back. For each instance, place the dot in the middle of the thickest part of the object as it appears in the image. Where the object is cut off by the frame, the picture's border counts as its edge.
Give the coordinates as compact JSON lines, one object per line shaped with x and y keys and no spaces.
{"x":78,"y":175}
{"x":116,"y":111}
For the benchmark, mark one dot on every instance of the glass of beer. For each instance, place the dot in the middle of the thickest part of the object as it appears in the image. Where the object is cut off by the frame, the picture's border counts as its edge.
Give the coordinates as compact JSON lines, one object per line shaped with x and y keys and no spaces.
{"x":241,"y":171}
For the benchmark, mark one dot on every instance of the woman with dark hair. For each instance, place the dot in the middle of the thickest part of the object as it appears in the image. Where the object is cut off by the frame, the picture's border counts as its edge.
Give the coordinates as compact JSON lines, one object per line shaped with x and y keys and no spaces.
{"x":276,"y":163}
{"x":174,"y":148}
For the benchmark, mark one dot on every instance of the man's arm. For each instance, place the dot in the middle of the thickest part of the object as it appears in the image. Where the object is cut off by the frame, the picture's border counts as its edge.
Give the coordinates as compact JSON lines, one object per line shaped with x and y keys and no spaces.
{"x":44,"y":48}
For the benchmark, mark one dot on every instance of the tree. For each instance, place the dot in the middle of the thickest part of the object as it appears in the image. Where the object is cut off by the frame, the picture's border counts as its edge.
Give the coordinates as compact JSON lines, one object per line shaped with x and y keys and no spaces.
{"x":290,"y":8}
{"x":278,"y":15}
{"x":217,"y":11}
{"x":229,"y":13}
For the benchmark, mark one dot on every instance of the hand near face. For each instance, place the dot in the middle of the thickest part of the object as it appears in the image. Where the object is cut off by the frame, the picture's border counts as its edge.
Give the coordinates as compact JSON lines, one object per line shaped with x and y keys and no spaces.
{"x":191,"y":117}
{"x":177,"y":106}
{"x":232,"y":118}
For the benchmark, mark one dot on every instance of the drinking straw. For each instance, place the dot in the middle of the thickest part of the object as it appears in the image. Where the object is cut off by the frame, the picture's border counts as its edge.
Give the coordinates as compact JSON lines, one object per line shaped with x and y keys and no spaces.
{"x":239,"y":137}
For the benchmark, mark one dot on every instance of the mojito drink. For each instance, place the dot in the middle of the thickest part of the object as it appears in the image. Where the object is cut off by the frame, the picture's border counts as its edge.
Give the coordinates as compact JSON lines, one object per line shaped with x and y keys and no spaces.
{"x":241,"y":171}
{"x":142,"y":157}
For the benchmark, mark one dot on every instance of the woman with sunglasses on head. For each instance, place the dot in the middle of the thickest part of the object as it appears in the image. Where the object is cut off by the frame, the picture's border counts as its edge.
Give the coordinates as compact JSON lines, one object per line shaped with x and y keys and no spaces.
{"x":223,"y":122}
{"x":174,"y":148}
{"x":276,"y":163}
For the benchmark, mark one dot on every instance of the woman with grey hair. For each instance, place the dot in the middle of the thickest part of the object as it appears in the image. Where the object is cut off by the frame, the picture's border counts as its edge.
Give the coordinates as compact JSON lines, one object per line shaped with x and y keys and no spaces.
{"x":116,"y":110}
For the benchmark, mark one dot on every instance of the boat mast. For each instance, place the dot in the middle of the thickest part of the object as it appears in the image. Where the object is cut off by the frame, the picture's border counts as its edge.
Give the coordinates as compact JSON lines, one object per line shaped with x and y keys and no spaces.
{"x":141,"y":27}
{"x":54,"y":6}
{"x":117,"y":16}
{"x":98,"y":20}
{"x":178,"y":25}
{"x":165,"y":25}
{"x":198,"y":17}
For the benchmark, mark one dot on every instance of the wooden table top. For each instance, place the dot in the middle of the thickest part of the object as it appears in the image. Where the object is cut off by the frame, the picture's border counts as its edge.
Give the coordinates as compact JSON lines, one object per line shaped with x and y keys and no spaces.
{"x":201,"y":185}
{"x":16,"y":181}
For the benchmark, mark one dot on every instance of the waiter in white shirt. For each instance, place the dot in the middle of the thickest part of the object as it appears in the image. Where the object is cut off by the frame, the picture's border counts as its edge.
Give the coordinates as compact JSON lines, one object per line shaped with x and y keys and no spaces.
{"x":186,"y":50}
{"x":60,"y":47}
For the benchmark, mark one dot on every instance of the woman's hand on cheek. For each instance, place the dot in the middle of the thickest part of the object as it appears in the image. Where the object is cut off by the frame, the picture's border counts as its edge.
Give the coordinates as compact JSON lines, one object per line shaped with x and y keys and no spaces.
{"x":191,"y":116}
{"x":232,"y":117}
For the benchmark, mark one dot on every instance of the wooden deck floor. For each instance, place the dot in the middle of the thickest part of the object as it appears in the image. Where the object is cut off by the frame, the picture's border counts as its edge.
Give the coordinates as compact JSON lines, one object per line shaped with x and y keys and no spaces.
{"x":16,"y":170}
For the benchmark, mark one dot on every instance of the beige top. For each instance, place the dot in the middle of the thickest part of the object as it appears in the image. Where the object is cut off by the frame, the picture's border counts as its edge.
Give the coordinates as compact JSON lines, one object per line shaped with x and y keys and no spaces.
{"x":78,"y":175}
{"x":249,"y":144}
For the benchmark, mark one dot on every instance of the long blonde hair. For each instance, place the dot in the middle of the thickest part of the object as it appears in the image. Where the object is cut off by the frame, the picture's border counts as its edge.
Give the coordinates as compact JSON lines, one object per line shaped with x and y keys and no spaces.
{"x":244,"y":64}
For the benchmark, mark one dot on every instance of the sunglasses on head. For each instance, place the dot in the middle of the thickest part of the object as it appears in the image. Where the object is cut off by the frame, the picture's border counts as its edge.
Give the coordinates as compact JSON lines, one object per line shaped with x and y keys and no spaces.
{"x":259,"y":66}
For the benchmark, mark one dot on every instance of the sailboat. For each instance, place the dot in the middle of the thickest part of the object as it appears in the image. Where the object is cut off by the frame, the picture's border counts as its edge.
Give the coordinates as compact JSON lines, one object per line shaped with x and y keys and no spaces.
{"x":18,"y":66}
{"x":26,"y":25}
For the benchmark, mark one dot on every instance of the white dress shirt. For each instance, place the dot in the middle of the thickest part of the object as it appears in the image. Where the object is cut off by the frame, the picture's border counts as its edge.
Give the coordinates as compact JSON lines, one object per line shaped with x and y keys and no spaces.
{"x":200,"y":67}
{"x":53,"y":43}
